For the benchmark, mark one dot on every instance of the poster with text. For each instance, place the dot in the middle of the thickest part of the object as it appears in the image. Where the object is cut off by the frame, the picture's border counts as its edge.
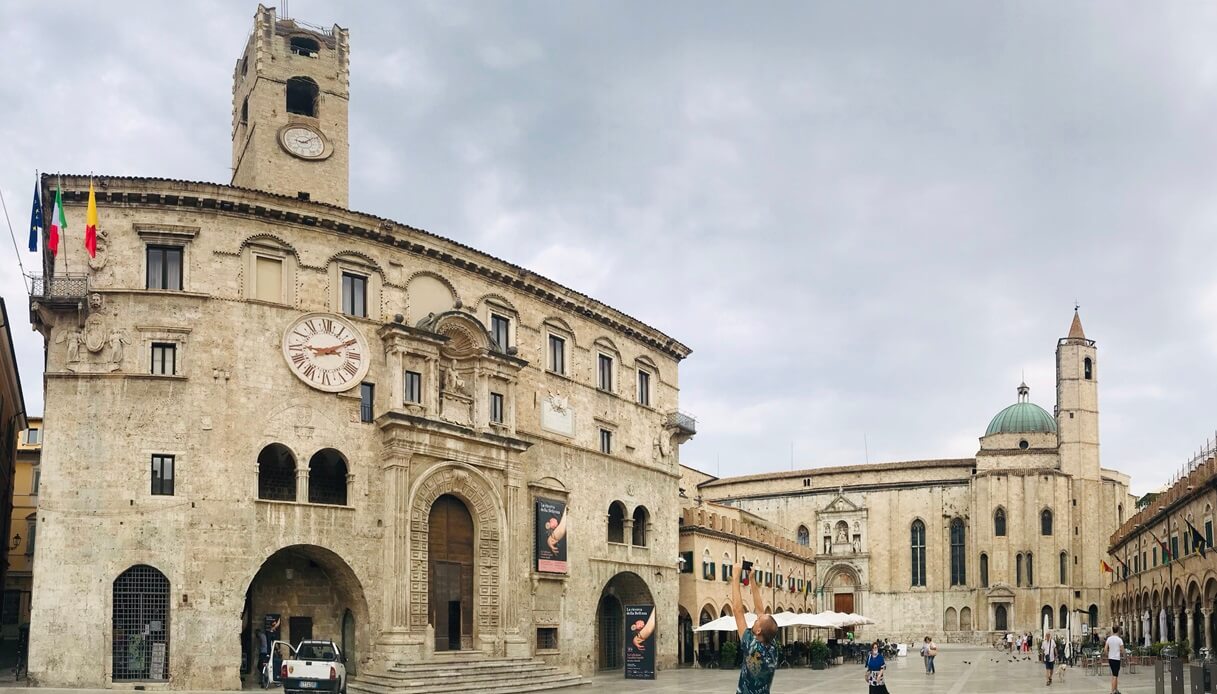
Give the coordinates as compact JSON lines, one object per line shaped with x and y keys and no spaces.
{"x":551,"y":536}
{"x":640,"y":642}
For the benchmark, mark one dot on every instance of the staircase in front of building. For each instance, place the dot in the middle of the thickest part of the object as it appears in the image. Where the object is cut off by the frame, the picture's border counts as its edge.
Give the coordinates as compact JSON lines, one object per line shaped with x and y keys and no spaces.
{"x":466,"y":672}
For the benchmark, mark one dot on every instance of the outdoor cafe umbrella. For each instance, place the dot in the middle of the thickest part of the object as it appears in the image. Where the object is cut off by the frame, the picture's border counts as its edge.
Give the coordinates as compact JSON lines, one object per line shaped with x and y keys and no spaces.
{"x":1145,"y":628}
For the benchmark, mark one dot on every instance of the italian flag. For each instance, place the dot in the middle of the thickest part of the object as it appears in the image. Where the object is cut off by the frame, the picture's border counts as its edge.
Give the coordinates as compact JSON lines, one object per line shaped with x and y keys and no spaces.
{"x":91,"y":224}
{"x":59,"y":223}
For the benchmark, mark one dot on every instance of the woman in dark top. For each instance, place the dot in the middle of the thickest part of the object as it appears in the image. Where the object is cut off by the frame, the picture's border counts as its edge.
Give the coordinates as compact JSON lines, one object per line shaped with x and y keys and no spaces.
{"x":875,"y":665}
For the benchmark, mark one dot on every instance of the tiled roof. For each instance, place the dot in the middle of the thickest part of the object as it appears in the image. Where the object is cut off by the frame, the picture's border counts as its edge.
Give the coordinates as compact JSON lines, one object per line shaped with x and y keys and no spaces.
{"x":866,"y":467}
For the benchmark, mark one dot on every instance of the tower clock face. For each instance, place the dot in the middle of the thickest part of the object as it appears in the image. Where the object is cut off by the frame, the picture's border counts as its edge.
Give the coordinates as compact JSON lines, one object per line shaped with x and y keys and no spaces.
{"x":326,"y":352}
{"x":303,"y":142}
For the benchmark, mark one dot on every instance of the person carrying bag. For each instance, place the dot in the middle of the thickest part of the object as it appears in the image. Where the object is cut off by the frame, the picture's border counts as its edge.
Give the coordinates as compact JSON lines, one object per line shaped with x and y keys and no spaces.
{"x":875,"y":667}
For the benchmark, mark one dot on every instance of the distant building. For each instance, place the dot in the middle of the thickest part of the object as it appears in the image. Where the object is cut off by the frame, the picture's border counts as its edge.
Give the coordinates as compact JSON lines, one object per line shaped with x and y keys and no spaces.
{"x":969,"y":548}
{"x":12,"y":422}
{"x":15,"y":610}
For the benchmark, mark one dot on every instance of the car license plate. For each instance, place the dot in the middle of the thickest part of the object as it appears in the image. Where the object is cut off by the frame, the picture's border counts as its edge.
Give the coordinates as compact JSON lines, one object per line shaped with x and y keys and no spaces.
{"x":308,"y":685}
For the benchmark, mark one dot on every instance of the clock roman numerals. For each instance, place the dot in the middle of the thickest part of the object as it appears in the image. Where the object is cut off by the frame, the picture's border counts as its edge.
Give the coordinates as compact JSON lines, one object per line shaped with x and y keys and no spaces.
{"x":325,"y":352}
{"x":351,"y":368}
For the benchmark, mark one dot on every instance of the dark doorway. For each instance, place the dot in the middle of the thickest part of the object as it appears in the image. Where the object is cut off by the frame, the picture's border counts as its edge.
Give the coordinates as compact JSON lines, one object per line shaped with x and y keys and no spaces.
{"x":610,"y":633}
{"x":348,"y":641}
{"x":999,"y":618}
{"x":450,"y":568}
{"x":299,"y":629}
{"x":685,"y":628}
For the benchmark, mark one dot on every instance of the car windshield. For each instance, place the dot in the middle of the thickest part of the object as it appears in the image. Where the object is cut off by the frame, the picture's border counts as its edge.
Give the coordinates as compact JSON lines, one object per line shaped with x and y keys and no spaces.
{"x":316,"y":651}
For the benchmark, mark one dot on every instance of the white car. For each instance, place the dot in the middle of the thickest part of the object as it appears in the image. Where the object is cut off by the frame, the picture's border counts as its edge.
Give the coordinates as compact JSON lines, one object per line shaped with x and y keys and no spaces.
{"x":314,"y":666}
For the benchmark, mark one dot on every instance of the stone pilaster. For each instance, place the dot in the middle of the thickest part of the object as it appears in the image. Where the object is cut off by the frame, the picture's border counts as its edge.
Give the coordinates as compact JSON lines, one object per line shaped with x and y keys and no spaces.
{"x":1208,"y":627}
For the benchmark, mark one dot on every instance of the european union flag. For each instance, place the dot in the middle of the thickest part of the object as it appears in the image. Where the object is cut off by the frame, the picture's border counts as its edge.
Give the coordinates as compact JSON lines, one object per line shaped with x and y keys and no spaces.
{"x":36,"y":220}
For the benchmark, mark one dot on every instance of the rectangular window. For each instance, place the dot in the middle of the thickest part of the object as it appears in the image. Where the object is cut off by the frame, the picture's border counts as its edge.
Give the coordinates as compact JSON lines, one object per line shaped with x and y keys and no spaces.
{"x":366,"y":393}
{"x":34,"y":481}
{"x":34,"y":437}
{"x":268,"y":284}
{"x":726,"y":572}
{"x":496,"y":408}
{"x":1175,"y":547}
{"x":165,"y":267}
{"x":557,"y":355}
{"x":500,"y":330}
{"x":606,"y":441}
{"x":11,"y":611}
{"x":1155,"y":556}
{"x":644,"y":388}
{"x":1208,"y":532}
{"x":414,"y":387}
{"x":162,"y":475}
{"x":547,"y":638}
{"x":604,"y":372}
{"x":354,"y":295}
{"x":686,"y":566}
{"x":707,"y":570}
{"x":164,"y":358}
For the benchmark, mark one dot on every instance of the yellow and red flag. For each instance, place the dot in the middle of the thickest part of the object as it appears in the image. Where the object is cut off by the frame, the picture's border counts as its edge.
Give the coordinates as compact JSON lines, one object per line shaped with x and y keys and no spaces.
{"x":1103,"y":565}
{"x":91,"y":224}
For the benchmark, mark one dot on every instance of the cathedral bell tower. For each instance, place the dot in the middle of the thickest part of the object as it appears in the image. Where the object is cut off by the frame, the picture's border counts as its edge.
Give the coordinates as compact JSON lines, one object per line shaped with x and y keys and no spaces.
{"x":1077,"y":403}
{"x":290,"y":94}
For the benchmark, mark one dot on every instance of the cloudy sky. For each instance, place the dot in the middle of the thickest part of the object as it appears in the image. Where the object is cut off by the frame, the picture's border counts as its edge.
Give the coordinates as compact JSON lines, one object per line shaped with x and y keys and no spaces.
{"x":869,"y":221}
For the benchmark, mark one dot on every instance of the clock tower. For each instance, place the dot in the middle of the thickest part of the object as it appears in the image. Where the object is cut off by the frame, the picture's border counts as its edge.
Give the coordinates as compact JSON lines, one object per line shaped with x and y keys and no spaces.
{"x":289,"y":110}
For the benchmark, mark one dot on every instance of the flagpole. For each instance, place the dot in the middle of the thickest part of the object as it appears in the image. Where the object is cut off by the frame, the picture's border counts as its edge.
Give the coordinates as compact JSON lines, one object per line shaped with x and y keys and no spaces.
{"x":63,"y":233}
{"x":11,"y":235}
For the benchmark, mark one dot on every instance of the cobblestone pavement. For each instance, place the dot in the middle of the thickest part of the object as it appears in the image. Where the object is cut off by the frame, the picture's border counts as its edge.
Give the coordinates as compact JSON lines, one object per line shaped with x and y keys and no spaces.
{"x":960,"y":671}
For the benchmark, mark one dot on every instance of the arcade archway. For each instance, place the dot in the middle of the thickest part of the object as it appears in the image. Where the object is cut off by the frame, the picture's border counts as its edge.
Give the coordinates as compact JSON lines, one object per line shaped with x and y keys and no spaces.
{"x":626,"y":588}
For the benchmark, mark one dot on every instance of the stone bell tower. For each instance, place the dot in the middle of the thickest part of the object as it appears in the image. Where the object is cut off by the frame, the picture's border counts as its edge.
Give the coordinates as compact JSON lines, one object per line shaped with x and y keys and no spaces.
{"x":290,"y":94}
{"x":1077,"y":403}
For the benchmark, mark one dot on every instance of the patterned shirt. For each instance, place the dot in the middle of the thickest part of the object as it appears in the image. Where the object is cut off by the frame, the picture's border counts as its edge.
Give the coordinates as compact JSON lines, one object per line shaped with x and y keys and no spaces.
{"x":760,"y":662}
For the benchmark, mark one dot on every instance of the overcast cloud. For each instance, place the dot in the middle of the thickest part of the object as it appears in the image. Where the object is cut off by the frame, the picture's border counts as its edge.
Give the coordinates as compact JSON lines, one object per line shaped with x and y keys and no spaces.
{"x":868,"y":221}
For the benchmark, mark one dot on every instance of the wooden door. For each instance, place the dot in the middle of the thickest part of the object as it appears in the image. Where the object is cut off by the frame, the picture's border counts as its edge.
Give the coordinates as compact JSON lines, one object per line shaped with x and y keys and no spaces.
{"x":450,"y":572}
{"x":843,"y":602}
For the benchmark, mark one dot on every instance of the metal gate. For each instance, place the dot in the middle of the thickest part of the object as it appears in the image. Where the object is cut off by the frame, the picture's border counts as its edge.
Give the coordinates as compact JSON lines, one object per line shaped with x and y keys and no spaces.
{"x":140,"y":628}
{"x":611,"y":639}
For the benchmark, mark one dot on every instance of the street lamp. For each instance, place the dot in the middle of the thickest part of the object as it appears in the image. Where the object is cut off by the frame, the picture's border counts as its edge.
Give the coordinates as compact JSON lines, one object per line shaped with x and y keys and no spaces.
{"x":16,"y":541}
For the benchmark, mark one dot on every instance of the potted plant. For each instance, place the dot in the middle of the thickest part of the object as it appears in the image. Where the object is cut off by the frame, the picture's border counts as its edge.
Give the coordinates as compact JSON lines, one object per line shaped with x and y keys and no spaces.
{"x":818,"y":652}
{"x":726,"y":655}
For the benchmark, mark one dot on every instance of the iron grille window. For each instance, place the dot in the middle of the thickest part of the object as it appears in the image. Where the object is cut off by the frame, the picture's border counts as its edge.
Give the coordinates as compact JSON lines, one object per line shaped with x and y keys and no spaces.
{"x":644,"y":388}
{"x":165,"y":267}
{"x":496,"y":408}
{"x":164,"y":359}
{"x":276,"y":474}
{"x":327,"y":478}
{"x":917,"y":539}
{"x":366,"y":391}
{"x":959,"y":573}
{"x":162,"y":475}
{"x":547,"y":638}
{"x":140,"y":625}
{"x":414,"y":387}
{"x":354,"y":295}
{"x":604,"y":372}
{"x":500,"y":330}
{"x":557,"y":354}
{"x":606,"y":441}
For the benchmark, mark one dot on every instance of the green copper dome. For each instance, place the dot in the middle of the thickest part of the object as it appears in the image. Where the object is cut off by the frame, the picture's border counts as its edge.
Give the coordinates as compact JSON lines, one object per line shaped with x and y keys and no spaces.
{"x":1022,"y":417}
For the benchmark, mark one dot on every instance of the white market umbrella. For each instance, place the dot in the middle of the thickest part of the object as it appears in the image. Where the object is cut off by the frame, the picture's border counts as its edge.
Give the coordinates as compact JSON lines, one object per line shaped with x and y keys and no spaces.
{"x":1162,"y":624}
{"x":1044,"y":633}
{"x":727,"y":623}
{"x":1145,"y":628}
{"x":859,"y":619}
{"x":814,"y":621}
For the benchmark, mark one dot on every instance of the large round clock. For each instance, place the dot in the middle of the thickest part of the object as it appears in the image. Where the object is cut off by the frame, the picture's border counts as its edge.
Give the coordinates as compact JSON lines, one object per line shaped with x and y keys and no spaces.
{"x":325,"y":351}
{"x":302,"y":141}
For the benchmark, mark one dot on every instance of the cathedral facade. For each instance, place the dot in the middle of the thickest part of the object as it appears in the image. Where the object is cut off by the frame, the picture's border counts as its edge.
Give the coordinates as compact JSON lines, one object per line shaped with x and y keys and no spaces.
{"x":269,"y":415}
{"x":967,"y":549}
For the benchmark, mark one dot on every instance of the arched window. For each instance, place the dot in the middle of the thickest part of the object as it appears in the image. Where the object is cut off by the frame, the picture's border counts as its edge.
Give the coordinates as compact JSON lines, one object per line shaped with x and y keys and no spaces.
{"x":1018,"y":570}
{"x":984,"y":570}
{"x":303,"y":45}
{"x":917,"y":540}
{"x":804,"y":536}
{"x":302,"y":93}
{"x":1046,"y":616}
{"x":1064,"y":569}
{"x":616,"y":522}
{"x":327,"y":478}
{"x":641,"y":517}
{"x":1000,"y":623}
{"x":999,"y":522}
{"x":140,"y":624}
{"x":1088,"y":368}
{"x":965,"y":619}
{"x":1046,"y":522}
{"x":1030,"y":571}
{"x":276,"y":474}
{"x":245,"y":110}
{"x":959,"y":573}
{"x":1120,"y":514}
{"x":1094,"y":616}
{"x":949,"y":621}
{"x":1064,"y":623}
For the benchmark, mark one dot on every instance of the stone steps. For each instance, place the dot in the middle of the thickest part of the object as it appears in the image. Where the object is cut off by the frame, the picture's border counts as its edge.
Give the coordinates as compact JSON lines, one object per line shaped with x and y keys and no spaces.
{"x":465,"y":674}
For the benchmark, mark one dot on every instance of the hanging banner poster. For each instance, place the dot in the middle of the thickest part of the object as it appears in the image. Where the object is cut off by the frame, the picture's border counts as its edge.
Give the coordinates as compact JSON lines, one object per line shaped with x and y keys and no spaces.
{"x":551,"y":536}
{"x":640,"y":642}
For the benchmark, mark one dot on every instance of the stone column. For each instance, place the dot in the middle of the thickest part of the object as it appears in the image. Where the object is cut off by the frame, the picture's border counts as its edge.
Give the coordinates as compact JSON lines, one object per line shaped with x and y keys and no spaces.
{"x":1209,"y":634}
{"x":1179,"y":624}
{"x":515,"y":645}
{"x":302,"y":483}
{"x":399,"y":641}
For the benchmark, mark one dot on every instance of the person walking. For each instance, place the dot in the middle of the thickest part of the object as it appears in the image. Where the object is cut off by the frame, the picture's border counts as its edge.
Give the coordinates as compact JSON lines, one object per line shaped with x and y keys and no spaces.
{"x":759,"y":654}
{"x":1114,"y":648}
{"x":875,"y":668}
{"x":1049,"y":648}
{"x":929,"y":649}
